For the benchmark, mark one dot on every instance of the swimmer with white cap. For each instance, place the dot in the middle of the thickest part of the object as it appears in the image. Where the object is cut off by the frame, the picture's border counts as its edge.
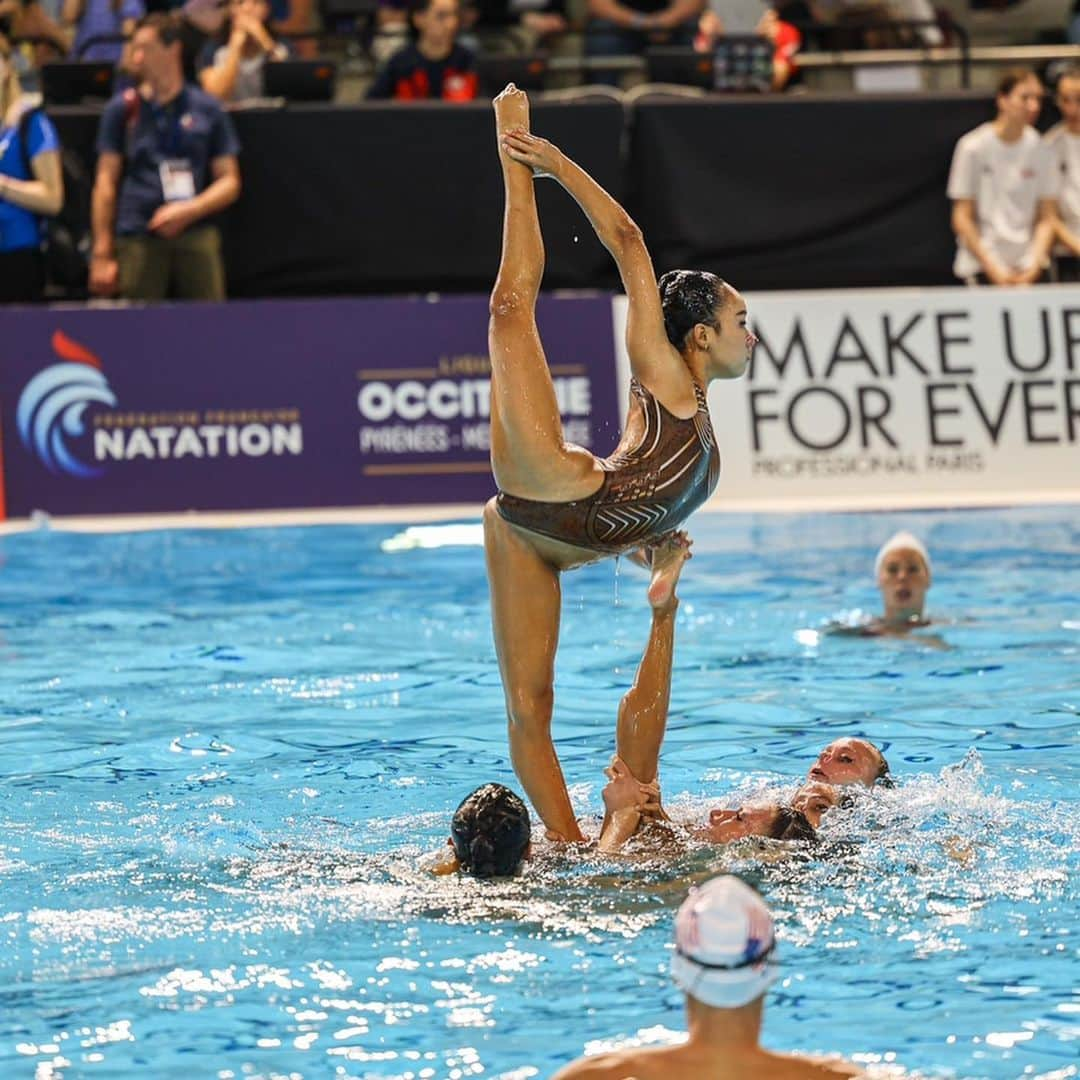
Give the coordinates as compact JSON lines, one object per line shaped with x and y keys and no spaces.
{"x":902,"y":570}
{"x":724,"y":962}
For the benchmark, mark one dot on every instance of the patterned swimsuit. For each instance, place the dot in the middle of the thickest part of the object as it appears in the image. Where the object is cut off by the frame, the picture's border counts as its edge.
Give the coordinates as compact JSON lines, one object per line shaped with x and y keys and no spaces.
{"x":649,"y":488}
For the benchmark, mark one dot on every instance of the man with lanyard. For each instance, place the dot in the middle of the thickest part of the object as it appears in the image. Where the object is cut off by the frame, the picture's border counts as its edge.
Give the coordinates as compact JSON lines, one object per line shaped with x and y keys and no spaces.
{"x":166,"y":163}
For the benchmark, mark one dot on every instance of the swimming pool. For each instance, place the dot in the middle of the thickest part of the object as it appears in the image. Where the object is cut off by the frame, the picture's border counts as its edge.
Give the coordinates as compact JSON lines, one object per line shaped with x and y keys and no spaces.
{"x":223,"y":752}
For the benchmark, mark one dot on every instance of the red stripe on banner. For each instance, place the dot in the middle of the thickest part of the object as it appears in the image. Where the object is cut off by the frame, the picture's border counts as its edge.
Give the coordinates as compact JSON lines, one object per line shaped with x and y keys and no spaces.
{"x":64,"y":347}
{"x":3,"y":497}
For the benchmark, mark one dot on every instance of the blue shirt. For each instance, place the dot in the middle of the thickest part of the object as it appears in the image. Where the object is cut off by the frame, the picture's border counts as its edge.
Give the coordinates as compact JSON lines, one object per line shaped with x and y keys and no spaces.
{"x":192,"y":127}
{"x":100,"y":18}
{"x":21,"y":228}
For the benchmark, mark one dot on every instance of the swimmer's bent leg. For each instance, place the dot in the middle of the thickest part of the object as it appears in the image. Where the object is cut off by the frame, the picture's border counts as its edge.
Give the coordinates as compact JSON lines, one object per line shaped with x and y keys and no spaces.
{"x":525,"y":604}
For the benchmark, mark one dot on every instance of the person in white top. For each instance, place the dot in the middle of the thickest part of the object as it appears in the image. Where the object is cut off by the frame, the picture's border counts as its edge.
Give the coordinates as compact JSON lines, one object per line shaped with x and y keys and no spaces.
{"x":1064,"y":142}
{"x":1003,"y":186}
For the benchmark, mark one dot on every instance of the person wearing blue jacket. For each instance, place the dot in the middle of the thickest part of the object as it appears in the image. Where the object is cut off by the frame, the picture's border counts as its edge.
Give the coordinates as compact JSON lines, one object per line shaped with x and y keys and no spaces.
{"x":31,"y":187}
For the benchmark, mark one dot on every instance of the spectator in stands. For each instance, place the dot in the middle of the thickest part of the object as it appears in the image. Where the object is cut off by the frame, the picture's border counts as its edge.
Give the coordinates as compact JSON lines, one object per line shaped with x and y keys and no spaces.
{"x":31,"y":186}
{"x":435,"y":65}
{"x":1063,"y":141}
{"x":90,"y":19}
{"x":515,"y":25}
{"x":233,"y":71}
{"x":786,"y":40}
{"x":391,"y":29}
{"x":166,"y":163}
{"x":27,"y":19}
{"x":1002,"y":187}
{"x":628,"y":27}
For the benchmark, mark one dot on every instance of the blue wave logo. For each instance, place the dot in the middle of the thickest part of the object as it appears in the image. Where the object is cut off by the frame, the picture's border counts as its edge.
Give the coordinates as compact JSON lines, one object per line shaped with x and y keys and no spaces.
{"x":53,"y":403}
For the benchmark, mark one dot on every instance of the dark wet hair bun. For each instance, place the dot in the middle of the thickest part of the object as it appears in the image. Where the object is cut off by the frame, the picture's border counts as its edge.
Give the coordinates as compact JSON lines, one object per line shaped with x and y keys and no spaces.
{"x":689,"y":297}
{"x":490,"y":832}
{"x":792,"y":824}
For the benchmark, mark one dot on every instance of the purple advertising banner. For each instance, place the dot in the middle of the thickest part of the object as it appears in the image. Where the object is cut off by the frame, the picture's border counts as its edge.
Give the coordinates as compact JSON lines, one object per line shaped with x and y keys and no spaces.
{"x":266,"y":405}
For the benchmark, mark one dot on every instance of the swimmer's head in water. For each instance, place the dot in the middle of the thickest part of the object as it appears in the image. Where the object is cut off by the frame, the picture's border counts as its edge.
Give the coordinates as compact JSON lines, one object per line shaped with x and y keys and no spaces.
{"x":490,"y":832}
{"x":724,"y":944}
{"x":814,"y":799}
{"x":902,"y":568}
{"x":705,"y":313}
{"x":851,"y":761}
{"x":768,"y":819}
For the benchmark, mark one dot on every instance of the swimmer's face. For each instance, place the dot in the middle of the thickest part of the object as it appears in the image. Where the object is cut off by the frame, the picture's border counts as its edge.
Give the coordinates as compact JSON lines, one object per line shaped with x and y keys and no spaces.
{"x":729,"y":340}
{"x":847,"y":761}
{"x":1023,"y":103}
{"x":903,"y":580}
{"x":1068,"y":100}
{"x":439,"y":22}
{"x":753,"y":819}
{"x":813,"y":799}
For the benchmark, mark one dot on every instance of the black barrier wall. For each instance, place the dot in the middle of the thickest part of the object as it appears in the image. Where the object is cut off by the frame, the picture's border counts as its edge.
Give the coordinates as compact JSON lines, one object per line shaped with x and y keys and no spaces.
{"x":787,"y":192}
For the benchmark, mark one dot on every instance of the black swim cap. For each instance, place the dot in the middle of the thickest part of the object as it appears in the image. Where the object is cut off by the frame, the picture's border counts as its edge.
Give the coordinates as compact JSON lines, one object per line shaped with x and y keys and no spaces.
{"x":689,"y":297}
{"x":490,"y":832}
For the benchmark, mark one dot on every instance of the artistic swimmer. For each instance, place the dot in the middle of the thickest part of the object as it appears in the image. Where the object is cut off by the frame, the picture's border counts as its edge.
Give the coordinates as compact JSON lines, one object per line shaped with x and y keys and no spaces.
{"x":559,"y":506}
{"x":902,"y":570}
{"x":724,"y":962}
{"x":845,"y":766}
{"x":490,"y":832}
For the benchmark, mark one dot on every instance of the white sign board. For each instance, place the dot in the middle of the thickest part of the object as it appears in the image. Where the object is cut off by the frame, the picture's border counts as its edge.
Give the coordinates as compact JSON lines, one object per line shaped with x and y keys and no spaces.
{"x":931,"y":397}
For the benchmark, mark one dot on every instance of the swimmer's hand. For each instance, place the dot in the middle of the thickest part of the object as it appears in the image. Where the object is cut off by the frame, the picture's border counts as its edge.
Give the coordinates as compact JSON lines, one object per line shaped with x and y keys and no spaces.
{"x":445,"y":864}
{"x":625,"y":792}
{"x":542,"y":157}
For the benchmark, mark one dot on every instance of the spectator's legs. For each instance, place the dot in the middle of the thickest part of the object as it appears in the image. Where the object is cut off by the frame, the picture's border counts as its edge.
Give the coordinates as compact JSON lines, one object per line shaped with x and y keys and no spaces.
{"x":144,"y":267}
{"x":198,"y":271}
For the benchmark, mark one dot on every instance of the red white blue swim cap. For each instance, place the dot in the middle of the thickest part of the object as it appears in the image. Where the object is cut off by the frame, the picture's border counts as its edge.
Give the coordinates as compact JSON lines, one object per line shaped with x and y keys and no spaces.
{"x":724,"y":942}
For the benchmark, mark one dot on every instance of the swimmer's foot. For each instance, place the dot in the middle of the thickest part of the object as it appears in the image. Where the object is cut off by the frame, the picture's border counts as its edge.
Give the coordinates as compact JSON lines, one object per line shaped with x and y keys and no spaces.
{"x":511,"y":116}
{"x":668,"y":556}
{"x":511,"y":111}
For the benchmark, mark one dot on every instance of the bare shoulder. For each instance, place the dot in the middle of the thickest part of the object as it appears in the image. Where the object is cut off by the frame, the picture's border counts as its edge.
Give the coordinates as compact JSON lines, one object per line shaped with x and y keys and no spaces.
{"x":813,"y":1067}
{"x":614,"y":1066}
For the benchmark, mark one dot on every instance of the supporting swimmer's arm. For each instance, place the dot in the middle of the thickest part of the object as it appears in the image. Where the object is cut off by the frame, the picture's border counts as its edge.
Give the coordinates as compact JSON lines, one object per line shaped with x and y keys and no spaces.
{"x":626,"y":802}
{"x":619,"y":826}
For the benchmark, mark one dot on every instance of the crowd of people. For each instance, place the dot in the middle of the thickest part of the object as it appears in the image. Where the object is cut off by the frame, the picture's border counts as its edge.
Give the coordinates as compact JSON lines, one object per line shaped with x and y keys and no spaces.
{"x":168,"y":155}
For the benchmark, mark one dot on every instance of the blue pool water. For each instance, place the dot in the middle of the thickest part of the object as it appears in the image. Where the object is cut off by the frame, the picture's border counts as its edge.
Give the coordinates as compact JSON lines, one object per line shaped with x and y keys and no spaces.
{"x":224,"y":755}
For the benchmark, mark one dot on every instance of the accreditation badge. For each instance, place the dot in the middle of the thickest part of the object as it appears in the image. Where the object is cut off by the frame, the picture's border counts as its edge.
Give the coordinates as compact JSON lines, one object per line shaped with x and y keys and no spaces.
{"x":177,"y":179}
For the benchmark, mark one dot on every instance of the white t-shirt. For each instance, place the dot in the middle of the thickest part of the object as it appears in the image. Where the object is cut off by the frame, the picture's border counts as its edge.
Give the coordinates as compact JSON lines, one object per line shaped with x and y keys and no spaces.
{"x":1006,"y":182}
{"x":1065,"y":151}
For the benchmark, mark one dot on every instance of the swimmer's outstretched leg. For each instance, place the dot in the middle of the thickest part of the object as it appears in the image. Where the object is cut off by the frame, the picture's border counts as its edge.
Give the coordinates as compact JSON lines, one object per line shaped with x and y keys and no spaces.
{"x":528,"y":455}
{"x":525,"y":602}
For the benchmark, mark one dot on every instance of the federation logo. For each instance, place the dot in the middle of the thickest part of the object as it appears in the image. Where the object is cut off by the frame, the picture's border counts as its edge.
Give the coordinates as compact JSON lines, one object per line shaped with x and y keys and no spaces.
{"x":53,"y":403}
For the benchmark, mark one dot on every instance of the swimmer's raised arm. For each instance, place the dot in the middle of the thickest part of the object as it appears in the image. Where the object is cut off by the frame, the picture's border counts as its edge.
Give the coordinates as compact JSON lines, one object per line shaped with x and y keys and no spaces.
{"x":653,"y":358}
